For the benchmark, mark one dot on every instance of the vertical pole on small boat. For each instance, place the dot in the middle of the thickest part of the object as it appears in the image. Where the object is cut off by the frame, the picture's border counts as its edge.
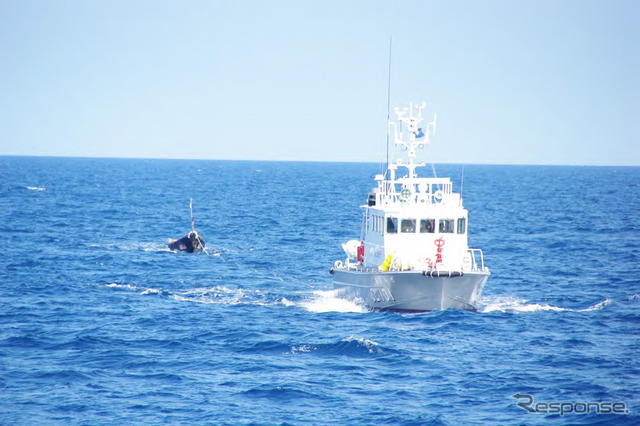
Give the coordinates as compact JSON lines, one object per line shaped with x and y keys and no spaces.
{"x":388,"y":101}
{"x":193,"y":219}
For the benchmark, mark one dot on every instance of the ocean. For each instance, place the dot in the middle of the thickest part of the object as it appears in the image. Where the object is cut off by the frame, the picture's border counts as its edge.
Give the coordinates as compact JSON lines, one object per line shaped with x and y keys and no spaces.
{"x":101,"y":324}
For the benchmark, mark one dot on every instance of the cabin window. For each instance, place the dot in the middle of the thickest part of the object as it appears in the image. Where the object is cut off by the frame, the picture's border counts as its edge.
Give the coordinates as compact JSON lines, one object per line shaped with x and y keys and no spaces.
{"x":461,"y":225}
{"x":392,"y":225}
{"x":427,"y":225}
{"x":446,"y":226}
{"x":408,"y":225}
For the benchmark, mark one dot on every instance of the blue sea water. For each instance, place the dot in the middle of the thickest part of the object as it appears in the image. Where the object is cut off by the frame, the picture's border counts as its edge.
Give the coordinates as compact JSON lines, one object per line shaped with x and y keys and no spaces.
{"x":101,"y":324}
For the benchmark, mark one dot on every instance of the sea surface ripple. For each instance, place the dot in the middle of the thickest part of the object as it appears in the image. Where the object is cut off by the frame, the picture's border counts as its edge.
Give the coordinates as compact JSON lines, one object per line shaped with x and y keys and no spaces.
{"x":101,"y":324}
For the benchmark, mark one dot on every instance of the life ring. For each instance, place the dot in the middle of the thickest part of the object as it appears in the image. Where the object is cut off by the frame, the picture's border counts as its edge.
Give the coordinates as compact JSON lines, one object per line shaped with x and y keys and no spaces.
{"x":337,"y":264}
{"x":438,"y":195}
{"x":405,"y":193}
{"x":439,"y":242}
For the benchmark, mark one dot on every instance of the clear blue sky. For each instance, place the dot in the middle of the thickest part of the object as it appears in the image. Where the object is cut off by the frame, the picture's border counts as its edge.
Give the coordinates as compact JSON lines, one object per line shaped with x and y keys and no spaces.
{"x":512,"y":82}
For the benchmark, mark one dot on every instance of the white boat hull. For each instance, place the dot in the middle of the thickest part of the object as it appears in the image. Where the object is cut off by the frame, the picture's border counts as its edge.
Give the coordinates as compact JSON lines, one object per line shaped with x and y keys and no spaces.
{"x":412,"y":290}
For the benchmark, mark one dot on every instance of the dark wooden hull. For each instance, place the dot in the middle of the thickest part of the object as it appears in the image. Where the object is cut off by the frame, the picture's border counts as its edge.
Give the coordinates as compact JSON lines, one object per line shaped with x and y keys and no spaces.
{"x":190,"y":243}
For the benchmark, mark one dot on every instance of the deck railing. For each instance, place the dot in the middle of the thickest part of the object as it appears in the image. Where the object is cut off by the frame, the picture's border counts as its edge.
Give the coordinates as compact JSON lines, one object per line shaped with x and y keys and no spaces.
{"x":477,"y":260}
{"x":473,"y":262}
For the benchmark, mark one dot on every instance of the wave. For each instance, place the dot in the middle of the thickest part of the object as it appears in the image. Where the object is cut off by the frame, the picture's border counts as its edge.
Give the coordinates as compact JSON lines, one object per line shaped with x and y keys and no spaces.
{"x":153,"y":247}
{"x":358,"y":344}
{"x":518,"y":305}
{"x":60,"y":375}
{"x":144,"y":291}
{"x":125,"y":286}
{"x":286,"y":302}
{"x":22,"y":342}
{"x":150,"y":247}
{"x":210,"y":295}
{"x":35,"y":188}
{"x":352,"y":346}
{"x":331,"y":301}
{"x":153,"y":291}
{"x":216,"y":294}
{"x":280,"y":393}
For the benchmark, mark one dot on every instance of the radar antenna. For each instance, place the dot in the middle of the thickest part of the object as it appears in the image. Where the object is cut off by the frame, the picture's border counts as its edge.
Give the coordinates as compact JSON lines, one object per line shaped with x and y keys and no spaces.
{"x":410,"y":136}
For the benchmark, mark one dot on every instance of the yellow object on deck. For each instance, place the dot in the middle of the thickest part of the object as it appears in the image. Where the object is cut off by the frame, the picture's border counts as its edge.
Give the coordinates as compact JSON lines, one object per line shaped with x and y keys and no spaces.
{"x":386,"y":264}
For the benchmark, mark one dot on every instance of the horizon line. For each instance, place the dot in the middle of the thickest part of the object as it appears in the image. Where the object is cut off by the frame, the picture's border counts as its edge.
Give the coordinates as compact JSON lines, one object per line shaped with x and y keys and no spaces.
{"x":88,"y":157}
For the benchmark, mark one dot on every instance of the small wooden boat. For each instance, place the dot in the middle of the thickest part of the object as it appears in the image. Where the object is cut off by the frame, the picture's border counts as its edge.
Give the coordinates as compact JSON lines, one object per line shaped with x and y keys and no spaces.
{"x":192,"y":242}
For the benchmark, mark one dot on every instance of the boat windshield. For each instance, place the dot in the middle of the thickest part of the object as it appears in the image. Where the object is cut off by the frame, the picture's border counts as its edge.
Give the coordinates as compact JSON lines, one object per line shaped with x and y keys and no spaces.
{"x":408,"y":225}
{"x":392,"y":225}
{"x":427,"y":225}
{"x":461,"y":225}
{"x":446,"y":226}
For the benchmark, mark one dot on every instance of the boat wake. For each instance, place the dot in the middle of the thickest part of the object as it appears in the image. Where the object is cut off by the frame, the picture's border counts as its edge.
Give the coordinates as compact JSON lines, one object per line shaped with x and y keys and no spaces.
{"x":210,"y":295}
{"x":152,"y":247}
{"x":318,"y":301}
{"x":322,"y":301}
{"x":518,"y":305}
{"x":217,"y":294}
{"x":634,"y":298}
{"x":332,"y":301}
{"x":35,"y":188}
{"x":122,"y":286}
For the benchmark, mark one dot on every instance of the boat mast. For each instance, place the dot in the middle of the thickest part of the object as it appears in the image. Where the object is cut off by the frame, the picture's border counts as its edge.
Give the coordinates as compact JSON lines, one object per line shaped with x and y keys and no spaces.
{"x":389,"y":100}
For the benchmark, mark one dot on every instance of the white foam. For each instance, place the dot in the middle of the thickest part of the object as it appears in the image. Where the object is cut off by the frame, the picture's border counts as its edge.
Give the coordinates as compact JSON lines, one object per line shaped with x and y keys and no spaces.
{"x":36,"y":188}
{"x":519,"y":305}
{"x":138,"y":246}
{"x":146,"y":246}
{"x":330,"y":301}
{"x":319,"y":301}
{"x":301,"y":349}
{"x":599,"y":305}
{"x":286,"y":302}
{"x":216,"y":294}
{"x":140,"y":290}
{"x":156,"y":249}
{"x":127,"y":286}
{"x":369,"y":344}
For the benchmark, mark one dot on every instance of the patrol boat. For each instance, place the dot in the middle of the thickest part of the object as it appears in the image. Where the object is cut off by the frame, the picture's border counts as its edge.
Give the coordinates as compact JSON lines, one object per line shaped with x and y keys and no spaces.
{"x":413,"y":252}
